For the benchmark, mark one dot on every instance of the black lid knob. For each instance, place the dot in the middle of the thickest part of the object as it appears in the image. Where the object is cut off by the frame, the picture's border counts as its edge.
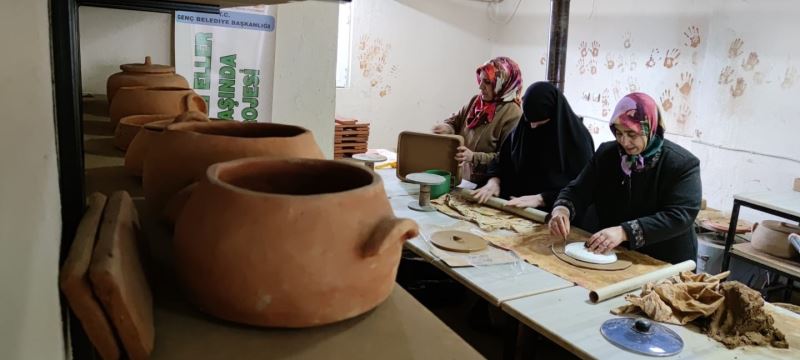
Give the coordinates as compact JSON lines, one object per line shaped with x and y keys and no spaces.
{"x":642,"y":325}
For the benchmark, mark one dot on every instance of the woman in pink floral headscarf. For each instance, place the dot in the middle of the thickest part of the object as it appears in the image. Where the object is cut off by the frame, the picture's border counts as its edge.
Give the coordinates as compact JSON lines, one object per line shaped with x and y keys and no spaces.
{"x":646,"y":189}
{"x":488,"y":117}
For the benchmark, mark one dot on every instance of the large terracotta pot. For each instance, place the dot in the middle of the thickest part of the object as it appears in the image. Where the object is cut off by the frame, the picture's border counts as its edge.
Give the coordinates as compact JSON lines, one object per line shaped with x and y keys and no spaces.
{"x":181,"y":155}
{"x":153,"y":126}
{"x":289,"y":242}
{"x":145,"y":74}
{"x":141,"y":100}
{"x":772,"y":237}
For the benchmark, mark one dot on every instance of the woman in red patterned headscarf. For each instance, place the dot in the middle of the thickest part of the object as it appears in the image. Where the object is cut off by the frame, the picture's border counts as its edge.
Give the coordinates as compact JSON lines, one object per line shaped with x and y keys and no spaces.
{"x":488,"y":117}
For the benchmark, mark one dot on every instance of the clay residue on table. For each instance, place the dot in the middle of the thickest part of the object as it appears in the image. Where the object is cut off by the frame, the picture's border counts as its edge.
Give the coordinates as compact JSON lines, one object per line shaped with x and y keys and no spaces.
{"x":487,"y":218}
{"x":728,"y":312}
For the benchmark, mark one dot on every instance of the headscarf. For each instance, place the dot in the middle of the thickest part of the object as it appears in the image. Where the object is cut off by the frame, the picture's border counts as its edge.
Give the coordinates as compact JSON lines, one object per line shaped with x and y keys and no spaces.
{"x":506,"y":78}
{"x":563,"y":141}
{"x":639,"y":112}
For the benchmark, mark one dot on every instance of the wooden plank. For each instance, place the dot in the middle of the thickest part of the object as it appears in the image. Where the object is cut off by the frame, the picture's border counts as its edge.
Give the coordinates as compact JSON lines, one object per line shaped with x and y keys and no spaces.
{"x":351,"y":132}
{"x":747,"y":251}
{"x":350,"y":146}
{"x":352,"y":127}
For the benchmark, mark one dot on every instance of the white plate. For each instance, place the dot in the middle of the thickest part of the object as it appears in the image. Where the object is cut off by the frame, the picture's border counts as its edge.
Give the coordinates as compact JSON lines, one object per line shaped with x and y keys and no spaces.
{"x":577,"y":250}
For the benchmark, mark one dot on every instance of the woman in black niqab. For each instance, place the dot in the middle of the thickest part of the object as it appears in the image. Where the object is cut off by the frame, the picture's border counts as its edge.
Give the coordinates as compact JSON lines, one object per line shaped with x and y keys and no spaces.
{"x":548,"y":148}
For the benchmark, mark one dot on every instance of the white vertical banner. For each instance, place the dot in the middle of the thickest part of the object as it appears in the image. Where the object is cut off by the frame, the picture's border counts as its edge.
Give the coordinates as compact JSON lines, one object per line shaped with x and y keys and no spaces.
{"x":229,"y":60}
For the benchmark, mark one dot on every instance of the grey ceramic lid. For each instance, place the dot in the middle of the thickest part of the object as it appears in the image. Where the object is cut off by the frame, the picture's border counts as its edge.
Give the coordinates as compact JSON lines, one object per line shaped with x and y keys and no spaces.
{"x":642,"y":336}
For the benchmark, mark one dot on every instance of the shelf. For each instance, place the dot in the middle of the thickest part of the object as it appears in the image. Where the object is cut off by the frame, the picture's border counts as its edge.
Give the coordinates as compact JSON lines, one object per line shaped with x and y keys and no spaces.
{"x":786,"y":202}
{"x":786,"y":266}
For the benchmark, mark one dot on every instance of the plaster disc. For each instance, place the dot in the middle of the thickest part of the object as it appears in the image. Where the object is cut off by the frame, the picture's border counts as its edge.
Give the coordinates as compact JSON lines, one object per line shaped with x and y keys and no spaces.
{"x":369,"y":157}
{"x":578,"y":250}
{"x":460,"y":241}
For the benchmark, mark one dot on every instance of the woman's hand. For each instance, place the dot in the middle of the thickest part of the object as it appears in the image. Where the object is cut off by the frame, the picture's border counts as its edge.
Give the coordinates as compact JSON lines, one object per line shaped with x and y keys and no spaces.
{"x":492,"y":188}
{"x":442,"y":129}
{"x":533,"y":201}
{"x":464,"y":154}
{"x":559,"y":222}
{"x":607,"y":239}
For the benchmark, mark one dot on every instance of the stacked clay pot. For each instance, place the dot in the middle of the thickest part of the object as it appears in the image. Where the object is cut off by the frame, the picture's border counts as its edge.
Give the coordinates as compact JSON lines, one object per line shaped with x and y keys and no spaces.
{"x":144,"y":74}
{"x":153,"y":126}
{"x":772,"y":237}
{"x":181,"y":154}
{"x":144,"y":100}
{"x":288,"y":242}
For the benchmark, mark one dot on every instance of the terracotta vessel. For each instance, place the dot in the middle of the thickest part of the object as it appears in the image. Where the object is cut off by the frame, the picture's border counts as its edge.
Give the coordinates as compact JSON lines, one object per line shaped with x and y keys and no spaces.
{"x":181,"y":155}
{"x":141,"y":100}
{"x":144,"y":74}
{"x":772,"y":237}
{"x":137,"y":150}
{"x":129,"y":127}
{"x":289,"y":242}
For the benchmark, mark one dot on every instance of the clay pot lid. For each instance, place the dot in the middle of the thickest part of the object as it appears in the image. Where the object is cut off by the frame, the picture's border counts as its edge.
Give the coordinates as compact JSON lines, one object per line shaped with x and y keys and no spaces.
{"x":147,"y":67}
{"x":780,"y":226}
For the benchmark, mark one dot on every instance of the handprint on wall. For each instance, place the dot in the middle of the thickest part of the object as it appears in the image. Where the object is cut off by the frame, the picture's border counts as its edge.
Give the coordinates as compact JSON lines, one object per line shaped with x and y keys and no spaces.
{"x":666,"y":100}
{"x":692,"y":36}
{"x":684,"y":114}
{"x":653,"y":56}
{"x":671,"y":58}
{"x":789,"y":78}
{"x":736,"y":48}
{"x":686,"y":83}
{"x":595,"y":48}
{"x":750,"y":63}
{"x":738,"y":88}
{"x":627,"y":42}
{"x":583,"y":49}
{"x":610,"y":61}
{"x":726,"y":76}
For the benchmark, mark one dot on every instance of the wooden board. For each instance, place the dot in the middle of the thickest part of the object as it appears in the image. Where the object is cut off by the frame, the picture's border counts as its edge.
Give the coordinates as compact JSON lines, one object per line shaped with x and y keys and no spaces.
{"x":747,"y":251}
{"x":350,"y":132}
{"x":352,"y":127}
{"x":74,"y":281}
{"x":417,"y":152}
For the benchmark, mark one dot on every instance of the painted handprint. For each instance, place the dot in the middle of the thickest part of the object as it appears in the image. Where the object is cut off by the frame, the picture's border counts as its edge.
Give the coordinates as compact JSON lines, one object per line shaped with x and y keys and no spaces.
{"x":789,"y":78}
{"x":684,"y":114}
{"x":653,"y":56}
{"x":581,"y":66}
{"x":595,"y":48}
{"x":605,"y":102}
{"x":616,"y":89}
{"x":692,"y":36}
{"x":632,"y":63}
{"x":666,"y":100}
{"x":671,"y":58}
{"x":592,"y":66}
{"x":726,"y":76}
{"x":736,"y":48}
{"x":610,"y":62}
{"x":632,"y":85}
{"x":738,"y":88}
{"x":750,"y":63}
{"x":584,"y":50}
{"x":627,"y":42}
{"x":621,"y":63}
{"x":685,"y":85}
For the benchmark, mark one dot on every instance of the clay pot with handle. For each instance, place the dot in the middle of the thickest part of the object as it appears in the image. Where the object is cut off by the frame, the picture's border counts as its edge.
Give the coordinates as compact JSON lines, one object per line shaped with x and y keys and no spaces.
{"x":181,"y":155}
{"x":144,"y":74}
{"x":288,"y":242}
{"x":772,"y":237}
{"x":142,"y":100}
{"x":153,"y":126}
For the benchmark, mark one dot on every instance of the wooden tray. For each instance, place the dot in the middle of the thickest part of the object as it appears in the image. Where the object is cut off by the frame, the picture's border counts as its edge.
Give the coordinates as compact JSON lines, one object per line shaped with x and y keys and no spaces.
{"x":417,"y":152}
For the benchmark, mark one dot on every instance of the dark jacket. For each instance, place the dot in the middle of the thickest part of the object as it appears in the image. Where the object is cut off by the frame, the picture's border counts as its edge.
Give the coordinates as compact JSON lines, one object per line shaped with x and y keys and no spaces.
{"x":656,"y":207}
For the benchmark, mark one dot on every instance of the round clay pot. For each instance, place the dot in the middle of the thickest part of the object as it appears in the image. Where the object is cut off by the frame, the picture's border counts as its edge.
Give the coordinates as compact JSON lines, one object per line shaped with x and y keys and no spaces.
{"x":181,"y":155}
{"x":144,"y":74}
{"x":289,"y":242}
{"x":772,"y":237}
{"x":129,"y":127}
{"x":141,"y":100}
{"x":136,"y":151}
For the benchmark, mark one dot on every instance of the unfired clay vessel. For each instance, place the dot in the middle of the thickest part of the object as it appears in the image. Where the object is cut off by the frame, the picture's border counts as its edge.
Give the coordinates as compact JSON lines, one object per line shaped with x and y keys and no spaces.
{"x":772,"y":237}
{"x":137,"y":150}
{"x":141,"y":100}
{"x":144,"y":74}
{"x":289,"y":242}
{"x":180,"y":156}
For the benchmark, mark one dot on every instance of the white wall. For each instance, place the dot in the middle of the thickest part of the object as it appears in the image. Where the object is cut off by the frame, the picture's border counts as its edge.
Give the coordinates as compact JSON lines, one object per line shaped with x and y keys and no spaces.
{"x":413,"y":63}
{"x":705,"y":117}
{"x":111,"y":37}
{"x":30,"y":220}
{"x":305,"y":68}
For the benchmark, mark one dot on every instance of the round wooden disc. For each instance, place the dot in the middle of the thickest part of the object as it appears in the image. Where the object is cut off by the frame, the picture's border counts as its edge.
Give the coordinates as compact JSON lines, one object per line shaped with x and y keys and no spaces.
{"x":460,"y":241}
{"x":558,"y":251}
{"x":578,"y":250}
{"x":425,"y":179}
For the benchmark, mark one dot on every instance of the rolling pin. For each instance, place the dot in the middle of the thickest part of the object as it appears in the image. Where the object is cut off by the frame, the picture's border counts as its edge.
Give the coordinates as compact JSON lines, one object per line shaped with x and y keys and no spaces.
{"x":500,"y":204}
